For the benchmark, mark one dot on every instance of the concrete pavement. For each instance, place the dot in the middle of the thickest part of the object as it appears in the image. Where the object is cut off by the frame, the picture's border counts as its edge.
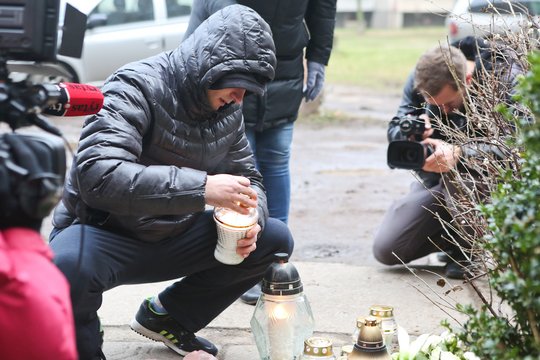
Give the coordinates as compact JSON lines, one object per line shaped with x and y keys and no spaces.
{"x":338,"y":294}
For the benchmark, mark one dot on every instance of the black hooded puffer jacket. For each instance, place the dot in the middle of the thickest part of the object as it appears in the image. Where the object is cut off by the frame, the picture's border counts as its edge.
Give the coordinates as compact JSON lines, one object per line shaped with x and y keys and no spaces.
{"x":142,"y":161}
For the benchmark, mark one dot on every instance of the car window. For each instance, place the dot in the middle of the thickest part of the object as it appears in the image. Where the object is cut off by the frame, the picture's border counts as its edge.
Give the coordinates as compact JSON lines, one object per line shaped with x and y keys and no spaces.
{"x":178,"y":8}
{"x":505,"y":7}
{"x":115,"y":12}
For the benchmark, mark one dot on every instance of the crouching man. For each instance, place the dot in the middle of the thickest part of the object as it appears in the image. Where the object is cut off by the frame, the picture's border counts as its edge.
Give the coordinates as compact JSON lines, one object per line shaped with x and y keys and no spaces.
{"x":168,"y":143}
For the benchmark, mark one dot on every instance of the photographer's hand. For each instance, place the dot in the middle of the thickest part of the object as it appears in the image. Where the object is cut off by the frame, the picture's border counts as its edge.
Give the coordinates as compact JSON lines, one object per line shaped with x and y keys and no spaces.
{"x":444,"y":157}
{"x":428,"y":130}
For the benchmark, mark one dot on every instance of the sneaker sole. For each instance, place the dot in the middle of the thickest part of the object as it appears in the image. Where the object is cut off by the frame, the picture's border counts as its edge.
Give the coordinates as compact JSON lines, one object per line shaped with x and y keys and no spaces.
{"x":152,"y":335}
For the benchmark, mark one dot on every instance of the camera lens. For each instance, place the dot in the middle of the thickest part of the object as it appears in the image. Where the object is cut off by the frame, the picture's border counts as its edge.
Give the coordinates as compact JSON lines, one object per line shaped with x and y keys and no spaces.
{"x":410,"y":155}
{"x":405,"y":154}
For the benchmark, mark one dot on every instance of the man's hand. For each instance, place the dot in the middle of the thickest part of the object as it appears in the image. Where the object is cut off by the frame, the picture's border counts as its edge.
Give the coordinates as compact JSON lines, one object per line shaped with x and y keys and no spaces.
{"x":315,"y":80}
{"x":444,"y":158}
{"x":247,"y":245}
{"x":229,"y":191}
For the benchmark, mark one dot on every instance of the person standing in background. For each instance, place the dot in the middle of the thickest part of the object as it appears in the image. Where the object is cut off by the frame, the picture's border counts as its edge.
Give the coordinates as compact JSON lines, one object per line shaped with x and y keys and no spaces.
{"x":302,"y":30}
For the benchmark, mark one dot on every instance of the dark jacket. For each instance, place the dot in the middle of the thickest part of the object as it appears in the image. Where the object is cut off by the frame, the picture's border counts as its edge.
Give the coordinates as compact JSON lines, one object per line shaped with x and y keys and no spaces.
{"x":489,"y":59}
{"x":142,"y":161}
{"x":296,"y":25}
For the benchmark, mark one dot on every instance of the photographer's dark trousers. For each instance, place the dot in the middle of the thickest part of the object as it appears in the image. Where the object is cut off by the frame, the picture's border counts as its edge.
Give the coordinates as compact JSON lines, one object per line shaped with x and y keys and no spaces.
{"x":111,"y":259}
{"x":410,"y":229}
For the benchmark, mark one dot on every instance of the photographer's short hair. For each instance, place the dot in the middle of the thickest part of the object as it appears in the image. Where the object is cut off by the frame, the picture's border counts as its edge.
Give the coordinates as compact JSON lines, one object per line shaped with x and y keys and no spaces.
{"x":440,"y":66}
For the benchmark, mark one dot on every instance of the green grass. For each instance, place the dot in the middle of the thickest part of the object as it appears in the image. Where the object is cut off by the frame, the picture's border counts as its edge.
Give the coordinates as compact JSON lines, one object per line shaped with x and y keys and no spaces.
{"x":379,"y":59}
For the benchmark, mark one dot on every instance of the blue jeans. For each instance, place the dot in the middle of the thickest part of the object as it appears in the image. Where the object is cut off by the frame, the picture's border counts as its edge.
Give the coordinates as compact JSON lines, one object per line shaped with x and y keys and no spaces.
{"x":272,"y":149}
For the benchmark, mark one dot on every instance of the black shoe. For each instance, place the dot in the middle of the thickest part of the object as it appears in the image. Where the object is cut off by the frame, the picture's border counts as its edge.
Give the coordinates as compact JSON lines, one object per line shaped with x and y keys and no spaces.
{"x":251,"y":296}
{"x":458,"y":270}
{"x":167,"y":330}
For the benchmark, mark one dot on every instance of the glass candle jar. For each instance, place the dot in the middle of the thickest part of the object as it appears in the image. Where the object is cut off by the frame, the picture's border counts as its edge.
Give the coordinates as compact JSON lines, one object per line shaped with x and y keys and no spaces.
{"x":370,"y":344}
{"x":346,"y":350}
{"x":282,"y":319}
{"x":359,"y":324}
{"x":231,"y":227}
{"x":385,"y":314}
{"x":318,"y":348}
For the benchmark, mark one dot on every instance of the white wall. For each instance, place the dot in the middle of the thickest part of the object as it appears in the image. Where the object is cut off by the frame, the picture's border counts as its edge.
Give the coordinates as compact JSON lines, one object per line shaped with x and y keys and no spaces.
{"x":399,"y":5}
{"x":389,"y":13}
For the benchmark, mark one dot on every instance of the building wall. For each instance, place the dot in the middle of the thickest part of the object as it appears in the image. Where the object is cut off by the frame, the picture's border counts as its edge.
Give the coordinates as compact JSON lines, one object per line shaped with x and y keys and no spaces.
{"x":396,"y":13}
{"x":399,"y":5}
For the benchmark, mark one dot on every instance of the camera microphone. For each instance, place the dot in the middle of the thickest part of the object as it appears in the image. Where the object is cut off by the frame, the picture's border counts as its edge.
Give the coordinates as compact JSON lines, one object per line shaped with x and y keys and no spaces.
{"x":72,"y":99}
{"x":25,"y":106}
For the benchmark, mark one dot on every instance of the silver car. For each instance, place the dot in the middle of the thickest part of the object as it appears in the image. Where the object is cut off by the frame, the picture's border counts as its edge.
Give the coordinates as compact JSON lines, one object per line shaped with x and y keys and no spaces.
{"x":484,"y":17}
{"x":118,"y":32}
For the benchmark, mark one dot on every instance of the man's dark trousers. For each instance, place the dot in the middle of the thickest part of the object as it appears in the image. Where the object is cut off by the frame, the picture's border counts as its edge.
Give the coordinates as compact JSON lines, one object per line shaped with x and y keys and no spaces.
{"x":110,"y":259}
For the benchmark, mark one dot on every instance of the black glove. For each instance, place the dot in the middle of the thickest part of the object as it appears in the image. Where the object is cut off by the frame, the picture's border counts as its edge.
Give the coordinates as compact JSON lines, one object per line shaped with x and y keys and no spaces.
{"x":31,"y":180}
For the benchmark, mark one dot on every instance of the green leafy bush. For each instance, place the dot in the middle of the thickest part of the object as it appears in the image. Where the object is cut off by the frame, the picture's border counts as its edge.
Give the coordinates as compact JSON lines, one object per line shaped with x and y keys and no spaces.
{"x":511,"y":328}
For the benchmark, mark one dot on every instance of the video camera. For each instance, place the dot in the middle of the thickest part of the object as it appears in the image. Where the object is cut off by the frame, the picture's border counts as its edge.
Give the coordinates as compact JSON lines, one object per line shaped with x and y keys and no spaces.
{"x":407,"y":154}
{"x":33,"y":165}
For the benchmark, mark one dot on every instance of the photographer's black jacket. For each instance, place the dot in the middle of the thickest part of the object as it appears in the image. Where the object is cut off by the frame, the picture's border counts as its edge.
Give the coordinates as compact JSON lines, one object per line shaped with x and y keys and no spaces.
{"x":296,"y":25}
{"x":143,"y":160}
{"x":488,"y":59}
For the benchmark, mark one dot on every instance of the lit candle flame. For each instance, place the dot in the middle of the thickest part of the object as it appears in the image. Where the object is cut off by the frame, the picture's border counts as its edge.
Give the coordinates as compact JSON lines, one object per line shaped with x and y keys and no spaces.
{"x":279,"y":312}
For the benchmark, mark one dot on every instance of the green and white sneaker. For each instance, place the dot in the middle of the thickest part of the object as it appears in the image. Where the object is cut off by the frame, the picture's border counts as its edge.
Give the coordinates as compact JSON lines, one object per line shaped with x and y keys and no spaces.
{"x":162,"y":327}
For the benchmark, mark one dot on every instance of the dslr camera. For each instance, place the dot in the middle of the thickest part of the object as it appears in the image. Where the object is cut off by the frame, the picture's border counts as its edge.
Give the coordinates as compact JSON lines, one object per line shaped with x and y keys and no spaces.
{"x":32,"y":164}
{"x":409,"y":154}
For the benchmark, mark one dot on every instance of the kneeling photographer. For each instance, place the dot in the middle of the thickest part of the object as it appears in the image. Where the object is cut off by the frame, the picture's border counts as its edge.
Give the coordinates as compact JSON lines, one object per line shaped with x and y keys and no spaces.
{"x":433,"y":99}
